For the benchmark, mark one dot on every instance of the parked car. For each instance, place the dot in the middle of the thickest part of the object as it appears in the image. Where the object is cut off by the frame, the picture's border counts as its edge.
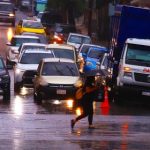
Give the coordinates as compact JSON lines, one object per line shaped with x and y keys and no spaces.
{"x":7,"y":12}
{"x":77,"y":39}
{"x":24,"y":70}
{"x":13,"y":46}
{"x":4,"y":81}
{"x":57,"y":78}
{"x":29,"y":25}
{"x":63,"y":51}
{"x":93,"y":56}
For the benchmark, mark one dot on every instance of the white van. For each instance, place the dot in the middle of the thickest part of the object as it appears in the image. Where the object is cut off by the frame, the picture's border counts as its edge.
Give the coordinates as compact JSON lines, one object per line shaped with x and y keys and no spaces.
{"x":134,"y":69}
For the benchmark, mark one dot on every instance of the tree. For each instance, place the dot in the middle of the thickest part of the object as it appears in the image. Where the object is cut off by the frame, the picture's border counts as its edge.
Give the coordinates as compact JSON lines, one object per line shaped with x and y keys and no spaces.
{"x":68,"y":8}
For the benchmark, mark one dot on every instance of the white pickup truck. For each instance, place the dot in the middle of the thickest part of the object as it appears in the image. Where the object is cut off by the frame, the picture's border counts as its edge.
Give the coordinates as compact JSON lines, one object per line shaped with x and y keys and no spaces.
{"x":133,"y":78}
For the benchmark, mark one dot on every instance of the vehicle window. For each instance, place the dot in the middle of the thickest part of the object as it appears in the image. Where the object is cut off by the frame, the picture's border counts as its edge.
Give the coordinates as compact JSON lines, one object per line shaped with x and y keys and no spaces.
{"x":63,"y":53}
{"x":59,"y":69}
{"x":34,"y":58}
{"x":6,"y":7}
{"x":79,"y":39}
{"x":1,"y":64}
{"x":31,"y":24}
{"x":138,"y":55}
{"x":18,"y":41}
{"x":95,"y":54}
{"x":105,"y":62}
{"x":30,"y":47}
{"x":85,"y":49}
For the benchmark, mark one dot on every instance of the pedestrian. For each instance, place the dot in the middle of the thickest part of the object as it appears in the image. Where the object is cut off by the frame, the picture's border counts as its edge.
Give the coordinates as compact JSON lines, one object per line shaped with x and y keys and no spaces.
{"x":87,"y":102}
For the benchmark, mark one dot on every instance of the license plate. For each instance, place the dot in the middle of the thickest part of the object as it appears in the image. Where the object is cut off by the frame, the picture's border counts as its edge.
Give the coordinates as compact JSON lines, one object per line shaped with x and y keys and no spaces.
{"x":61,"y":91}
{"x":146,"y":93}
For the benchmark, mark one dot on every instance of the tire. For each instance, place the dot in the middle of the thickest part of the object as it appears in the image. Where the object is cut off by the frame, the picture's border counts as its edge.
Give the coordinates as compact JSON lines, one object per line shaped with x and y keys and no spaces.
{"x":6,"y":95}
{"x":37,"y":98}
{"x":17,"y":87}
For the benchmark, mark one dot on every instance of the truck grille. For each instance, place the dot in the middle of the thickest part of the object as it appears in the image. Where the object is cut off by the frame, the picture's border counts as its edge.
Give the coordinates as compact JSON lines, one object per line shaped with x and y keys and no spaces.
{"x":142,"y":77}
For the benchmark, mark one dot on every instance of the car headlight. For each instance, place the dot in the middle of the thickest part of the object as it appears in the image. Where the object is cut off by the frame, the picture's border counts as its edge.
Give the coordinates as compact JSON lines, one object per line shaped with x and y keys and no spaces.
{"x":11,"y":15}
{"x":78,"y":83}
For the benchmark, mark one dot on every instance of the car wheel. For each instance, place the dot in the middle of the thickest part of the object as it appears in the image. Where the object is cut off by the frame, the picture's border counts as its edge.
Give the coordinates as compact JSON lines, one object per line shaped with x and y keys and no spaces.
{"x":37,"y":98}
{"x":17,"y":87}
{"x":6,"y":95}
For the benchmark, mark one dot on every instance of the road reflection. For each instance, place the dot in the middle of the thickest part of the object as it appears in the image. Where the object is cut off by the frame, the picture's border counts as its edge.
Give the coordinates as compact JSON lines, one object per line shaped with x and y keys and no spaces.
{"x":9,"y":34}
{"x":17,"y":107}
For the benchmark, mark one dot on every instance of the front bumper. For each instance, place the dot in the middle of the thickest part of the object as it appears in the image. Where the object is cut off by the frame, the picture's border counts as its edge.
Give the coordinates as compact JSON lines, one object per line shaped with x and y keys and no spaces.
{"x":57,"y":92}
{"x":134,"y":90}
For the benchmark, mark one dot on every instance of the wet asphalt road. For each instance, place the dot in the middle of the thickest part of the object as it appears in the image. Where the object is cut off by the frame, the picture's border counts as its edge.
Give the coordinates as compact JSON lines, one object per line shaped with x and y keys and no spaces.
{"x":25,"y":125}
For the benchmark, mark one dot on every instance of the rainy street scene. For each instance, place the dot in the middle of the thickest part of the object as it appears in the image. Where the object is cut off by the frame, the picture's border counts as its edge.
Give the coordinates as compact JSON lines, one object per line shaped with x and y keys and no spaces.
{"x":74,"y":75}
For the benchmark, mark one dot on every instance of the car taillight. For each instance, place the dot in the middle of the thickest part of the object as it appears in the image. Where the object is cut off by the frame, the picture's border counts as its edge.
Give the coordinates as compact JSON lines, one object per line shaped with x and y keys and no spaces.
{"x":57,"y":37}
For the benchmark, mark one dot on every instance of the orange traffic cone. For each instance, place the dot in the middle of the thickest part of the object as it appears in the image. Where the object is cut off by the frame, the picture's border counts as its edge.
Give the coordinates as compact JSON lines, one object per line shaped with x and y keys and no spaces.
{"x":105,"y":103}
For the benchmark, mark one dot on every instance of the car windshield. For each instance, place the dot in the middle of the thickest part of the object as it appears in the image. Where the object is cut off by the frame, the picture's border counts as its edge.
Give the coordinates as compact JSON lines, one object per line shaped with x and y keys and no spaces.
{"x":1,"y":64}
{"x":32,"y":48}
{"x":95,"y":54}
{"x":63,"y":53}
{"x":42,"y":37}
{"x":138,"y":55}
{"x":79,"y":39}
{"x":60,"y":69}
{"x":85,"y":48}
{"x":18,"y":41}
{"x":6,"y":7}
{"x":34,"y":58}
{"x":32,"y":24}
